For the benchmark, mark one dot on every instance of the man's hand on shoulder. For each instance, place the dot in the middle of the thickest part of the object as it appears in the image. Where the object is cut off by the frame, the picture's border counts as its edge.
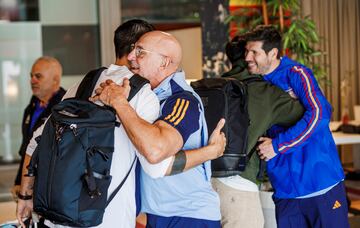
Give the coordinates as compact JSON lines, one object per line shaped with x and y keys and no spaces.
{"x":266,"y":149}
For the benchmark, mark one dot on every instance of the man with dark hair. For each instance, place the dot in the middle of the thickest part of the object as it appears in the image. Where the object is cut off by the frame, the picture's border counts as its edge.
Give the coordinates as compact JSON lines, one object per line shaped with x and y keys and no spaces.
{"x":126,"y":34}
{"x":302,"y":161}
{"x":234,"y":50}
{"x":239,"y":194}
{"x":45,"y":77}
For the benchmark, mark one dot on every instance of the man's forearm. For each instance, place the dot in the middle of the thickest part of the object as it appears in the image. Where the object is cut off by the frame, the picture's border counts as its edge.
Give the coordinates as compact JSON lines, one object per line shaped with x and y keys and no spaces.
{"x":25,"y":203}
{"x":154,"y":141}
{"x":27,"y":183}
{"x":185,"y":160}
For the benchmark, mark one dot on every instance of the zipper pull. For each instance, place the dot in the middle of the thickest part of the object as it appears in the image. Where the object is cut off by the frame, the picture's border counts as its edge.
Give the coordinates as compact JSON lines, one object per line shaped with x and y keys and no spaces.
{"x":59,"y":129}
{"x":73,"y":127}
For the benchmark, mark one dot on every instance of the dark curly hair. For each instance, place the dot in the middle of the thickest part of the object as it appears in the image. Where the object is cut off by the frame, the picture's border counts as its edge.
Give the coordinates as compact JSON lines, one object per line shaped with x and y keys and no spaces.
{"x":128,"y":33}
{"x":235,"y":49}
{"x":269,"y":35}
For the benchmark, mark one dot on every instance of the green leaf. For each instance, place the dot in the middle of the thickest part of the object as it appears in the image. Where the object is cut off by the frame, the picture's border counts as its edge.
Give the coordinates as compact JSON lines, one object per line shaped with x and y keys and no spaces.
{"x":314,"y":36}
{"x":229,"y":18}
{"x":292,"y":27}
{"x":286,"y":41}
{"x":316,"y":53}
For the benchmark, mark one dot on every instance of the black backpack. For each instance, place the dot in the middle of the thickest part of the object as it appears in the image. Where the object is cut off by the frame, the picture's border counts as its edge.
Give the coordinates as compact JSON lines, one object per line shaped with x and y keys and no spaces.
{"x":73,"y":158}
{"x":227,"y":98}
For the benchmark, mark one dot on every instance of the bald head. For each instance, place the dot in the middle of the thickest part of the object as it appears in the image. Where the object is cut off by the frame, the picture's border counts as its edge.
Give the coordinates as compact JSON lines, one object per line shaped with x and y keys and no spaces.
{"x":157,"y":55}
{"x":45,"y":78}
{"x":165,"y":44}
{"x":53,"y":65}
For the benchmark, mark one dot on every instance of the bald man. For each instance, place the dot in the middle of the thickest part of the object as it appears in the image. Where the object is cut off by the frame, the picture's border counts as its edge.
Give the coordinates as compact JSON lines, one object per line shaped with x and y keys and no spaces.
{"x":186,"y":198}
{"x":45,"y":77}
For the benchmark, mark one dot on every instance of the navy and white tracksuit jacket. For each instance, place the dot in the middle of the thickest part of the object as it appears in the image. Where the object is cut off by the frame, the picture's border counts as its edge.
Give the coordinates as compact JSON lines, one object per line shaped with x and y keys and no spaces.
{"x":307,"y":160}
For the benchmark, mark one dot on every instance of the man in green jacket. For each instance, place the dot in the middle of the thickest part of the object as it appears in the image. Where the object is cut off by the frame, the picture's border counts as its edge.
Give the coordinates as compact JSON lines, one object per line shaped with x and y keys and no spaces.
{"x":267,"y":106}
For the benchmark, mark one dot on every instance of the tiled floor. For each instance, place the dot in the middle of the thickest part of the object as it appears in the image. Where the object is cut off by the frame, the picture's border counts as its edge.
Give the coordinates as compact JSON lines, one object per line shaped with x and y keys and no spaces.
{"x":7,"y":211}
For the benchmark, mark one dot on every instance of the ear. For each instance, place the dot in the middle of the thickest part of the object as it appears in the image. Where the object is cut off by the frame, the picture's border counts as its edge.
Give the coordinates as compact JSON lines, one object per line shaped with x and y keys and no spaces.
{"x":165,"y":62}
{"x":56,"y":79}
{"x":273,"y":53}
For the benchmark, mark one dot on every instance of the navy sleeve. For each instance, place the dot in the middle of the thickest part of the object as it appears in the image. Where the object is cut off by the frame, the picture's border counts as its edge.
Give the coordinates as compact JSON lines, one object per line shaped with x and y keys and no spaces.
{"x":182,"y":112}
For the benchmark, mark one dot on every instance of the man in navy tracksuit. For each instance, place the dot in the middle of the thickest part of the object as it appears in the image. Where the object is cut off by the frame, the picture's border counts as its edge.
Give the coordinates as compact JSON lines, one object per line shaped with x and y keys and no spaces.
{"x":302,"y":161}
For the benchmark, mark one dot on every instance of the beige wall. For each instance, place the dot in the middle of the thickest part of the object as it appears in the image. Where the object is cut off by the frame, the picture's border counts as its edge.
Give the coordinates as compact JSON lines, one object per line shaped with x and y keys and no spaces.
{"x":190,"y":40}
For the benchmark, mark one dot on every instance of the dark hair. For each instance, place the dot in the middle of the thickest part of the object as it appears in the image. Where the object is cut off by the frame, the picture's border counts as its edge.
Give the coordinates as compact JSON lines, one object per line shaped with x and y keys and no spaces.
{"x":269,"y":35}
{"x":235,"y":49}
{"x":128,"y":33}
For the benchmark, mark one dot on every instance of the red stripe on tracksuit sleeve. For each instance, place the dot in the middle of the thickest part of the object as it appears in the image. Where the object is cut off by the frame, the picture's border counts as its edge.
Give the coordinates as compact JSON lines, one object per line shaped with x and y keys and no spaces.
{"x":315,"y":105}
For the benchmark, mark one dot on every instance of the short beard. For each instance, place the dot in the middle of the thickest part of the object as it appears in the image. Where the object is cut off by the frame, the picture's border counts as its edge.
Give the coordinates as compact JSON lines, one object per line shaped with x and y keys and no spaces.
{"x":265,"y":68}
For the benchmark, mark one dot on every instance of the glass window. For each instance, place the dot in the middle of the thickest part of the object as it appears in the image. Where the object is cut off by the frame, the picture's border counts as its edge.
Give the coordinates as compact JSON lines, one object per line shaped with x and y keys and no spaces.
{"x":34,"y":28}
{"x":77,"y":47}
{"x":19,"y":10}
{"x":20,"y":45}
{"x":164,"y":14}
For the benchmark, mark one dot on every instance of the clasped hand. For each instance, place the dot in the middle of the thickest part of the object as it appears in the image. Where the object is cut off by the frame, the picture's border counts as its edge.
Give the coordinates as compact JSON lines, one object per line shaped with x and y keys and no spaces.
{"x":112,"y":94}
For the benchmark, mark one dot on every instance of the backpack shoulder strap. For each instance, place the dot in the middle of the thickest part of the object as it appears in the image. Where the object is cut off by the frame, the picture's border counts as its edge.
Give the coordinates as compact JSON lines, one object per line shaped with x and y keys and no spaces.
{"x":262,"y":170}
{"x":111,"y":197}
{"x":88,"y":83}
{"x":136,"y":83}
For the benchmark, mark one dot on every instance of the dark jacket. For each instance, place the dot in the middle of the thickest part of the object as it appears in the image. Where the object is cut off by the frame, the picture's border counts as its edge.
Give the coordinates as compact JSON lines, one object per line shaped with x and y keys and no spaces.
{"x":26,"y":121}
{"x":237,"y":67}
{"x":267,"y":105}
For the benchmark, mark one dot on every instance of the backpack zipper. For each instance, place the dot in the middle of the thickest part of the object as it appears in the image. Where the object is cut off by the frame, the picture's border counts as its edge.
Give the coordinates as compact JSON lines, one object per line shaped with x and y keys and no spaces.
{"x":226,"y":111}
{"x":73,"y":126}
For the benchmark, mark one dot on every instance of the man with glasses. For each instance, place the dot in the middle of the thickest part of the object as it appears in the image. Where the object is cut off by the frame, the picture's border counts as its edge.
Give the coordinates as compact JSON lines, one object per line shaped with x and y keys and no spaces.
{"x":187,"y":198}
{"x":121,"y":210}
